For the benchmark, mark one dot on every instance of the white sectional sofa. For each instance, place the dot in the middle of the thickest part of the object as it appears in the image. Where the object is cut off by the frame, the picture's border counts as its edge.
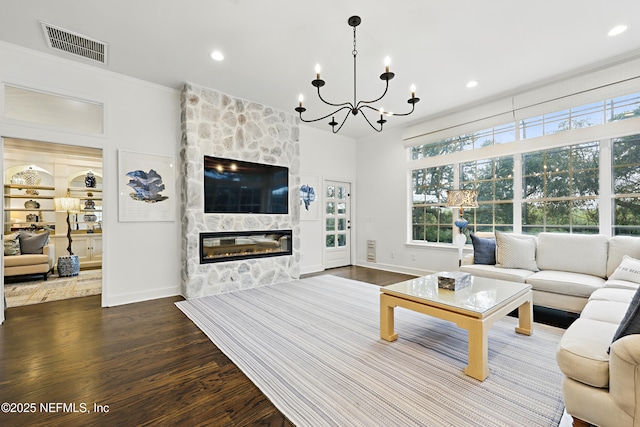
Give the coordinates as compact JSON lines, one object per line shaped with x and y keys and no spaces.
{"x":567,"y":268}
{"x":601,"y":384}
{"x":590,"y":275}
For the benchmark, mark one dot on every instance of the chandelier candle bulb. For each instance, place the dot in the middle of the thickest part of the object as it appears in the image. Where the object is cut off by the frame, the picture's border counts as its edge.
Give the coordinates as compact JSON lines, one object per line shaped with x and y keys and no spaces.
{"x":387,"y":62}
{"x":382,"y":121}
{"x":318,"y":69}
{"x":413,"y":91}
{"x":300,"y":99}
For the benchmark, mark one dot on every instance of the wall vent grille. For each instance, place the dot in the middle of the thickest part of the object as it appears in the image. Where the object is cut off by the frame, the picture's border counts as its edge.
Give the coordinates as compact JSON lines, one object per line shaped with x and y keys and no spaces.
{"x":74,"y":43}
{"x":371,"y":251}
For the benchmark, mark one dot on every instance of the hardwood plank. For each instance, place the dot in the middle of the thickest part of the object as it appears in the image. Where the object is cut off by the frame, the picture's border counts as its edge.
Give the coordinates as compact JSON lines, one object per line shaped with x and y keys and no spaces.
{"x":363,"y":274}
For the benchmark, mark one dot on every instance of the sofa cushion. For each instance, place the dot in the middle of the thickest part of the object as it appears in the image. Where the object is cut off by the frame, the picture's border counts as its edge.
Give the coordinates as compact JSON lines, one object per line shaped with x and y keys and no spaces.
{"x":484,"y":250}
{"x":27,"y":259}
{"x":612,"y":294}
{"x":621,"y":284}
{"x":32,"y":243}
{"x":629,"y":270}
{"x":493,"y":272}
{"x":582,"y":352}
{"x":516,"y":251}
{"x":619,"y":246}
{"x":630,"y":324}
{"x":12,"y":244}
{"x":577,"y":253}
{"x":564,"y":282}
{"x":605,"y":311}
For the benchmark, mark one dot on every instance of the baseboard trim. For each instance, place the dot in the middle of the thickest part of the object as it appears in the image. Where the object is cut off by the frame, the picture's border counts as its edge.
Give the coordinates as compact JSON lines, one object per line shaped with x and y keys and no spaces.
{"x":394,"y":268}
{"x":311,"y":269}
{"x":123,"y":299}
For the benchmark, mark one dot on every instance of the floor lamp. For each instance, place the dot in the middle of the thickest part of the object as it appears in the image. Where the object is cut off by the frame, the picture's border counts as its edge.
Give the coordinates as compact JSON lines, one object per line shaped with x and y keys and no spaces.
{"x":461,"y":199}
{"x":68,"y":265}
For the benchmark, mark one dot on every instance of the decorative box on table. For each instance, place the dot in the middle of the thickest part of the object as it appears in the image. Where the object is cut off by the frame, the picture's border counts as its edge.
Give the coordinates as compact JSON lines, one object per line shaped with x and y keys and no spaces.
{"x":453,"y":280}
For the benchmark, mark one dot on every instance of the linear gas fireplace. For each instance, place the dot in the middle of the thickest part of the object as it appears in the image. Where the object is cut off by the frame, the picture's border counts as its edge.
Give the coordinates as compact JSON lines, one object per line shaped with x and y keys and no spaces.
{"x":237,"y":245}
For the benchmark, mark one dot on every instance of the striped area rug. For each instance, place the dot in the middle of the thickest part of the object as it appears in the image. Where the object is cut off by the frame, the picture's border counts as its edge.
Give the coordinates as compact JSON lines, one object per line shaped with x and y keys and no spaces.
{"x":313,"y":347}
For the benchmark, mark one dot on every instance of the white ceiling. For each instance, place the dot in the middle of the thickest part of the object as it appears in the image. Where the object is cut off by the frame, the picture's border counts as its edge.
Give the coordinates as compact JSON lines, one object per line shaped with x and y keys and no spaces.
{"x":272,"y":46}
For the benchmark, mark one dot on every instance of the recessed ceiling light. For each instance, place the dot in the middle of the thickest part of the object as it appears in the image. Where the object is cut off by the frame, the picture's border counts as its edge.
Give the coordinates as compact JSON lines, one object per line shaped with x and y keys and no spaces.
{"x":472,"y":83}
{"x":617,"y":30}
{"x":216,"y":55}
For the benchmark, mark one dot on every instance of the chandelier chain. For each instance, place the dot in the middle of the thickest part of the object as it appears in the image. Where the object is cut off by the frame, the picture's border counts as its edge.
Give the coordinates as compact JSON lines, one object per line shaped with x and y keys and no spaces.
{"x":354,"y":109}
{"x":355,"y":51}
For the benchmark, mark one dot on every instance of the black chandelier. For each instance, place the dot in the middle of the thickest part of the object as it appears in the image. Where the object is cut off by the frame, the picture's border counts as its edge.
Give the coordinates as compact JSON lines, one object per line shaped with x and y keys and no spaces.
{"x":356,"y":107}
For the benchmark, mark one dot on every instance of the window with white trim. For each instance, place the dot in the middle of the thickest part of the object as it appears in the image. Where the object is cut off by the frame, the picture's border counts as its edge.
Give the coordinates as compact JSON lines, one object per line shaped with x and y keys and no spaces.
{"x":625,"y":170}
{"x":51,"y":109}
{"x":596,"y":113}
{"x":561,"y":190}
{"x":483,"y":138}
{"x":431,"y":220}
{"x":493,"y":178}
{"x":592,"y":114}
{"x":555,"y":189}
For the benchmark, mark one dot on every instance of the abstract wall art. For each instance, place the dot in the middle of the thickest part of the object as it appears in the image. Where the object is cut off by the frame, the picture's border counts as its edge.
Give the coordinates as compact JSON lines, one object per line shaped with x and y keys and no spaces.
{"x":146,"y":187}
{"x":309,"y":194}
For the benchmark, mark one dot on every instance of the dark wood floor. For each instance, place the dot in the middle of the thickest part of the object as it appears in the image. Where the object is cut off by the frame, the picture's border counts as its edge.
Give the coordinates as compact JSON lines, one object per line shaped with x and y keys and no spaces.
{"x":145,"y":362}
{"x":369,"y":275}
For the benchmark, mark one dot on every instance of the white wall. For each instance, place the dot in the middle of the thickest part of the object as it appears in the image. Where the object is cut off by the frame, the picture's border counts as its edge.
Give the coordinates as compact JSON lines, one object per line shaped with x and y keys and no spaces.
{"x":383,"y":210}
{"x":330,"y":157}
{"x":377,"y":169}
{"x":141,"y":259}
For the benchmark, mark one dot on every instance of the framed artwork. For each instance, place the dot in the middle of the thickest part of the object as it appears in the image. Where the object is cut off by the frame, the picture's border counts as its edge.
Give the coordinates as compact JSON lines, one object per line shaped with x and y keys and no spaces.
{"x":146,"y":187}
{"x":309,"y":197}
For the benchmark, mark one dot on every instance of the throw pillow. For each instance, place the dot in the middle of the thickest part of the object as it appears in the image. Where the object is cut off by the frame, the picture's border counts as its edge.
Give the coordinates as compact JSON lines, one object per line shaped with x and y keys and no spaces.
{"x":31,"y":243}
{"x":631,"y":321}
{"x":484,"y":250}
{"x":629,"y":270}
{"x":516,"y":251}
{"x":12,"y":244}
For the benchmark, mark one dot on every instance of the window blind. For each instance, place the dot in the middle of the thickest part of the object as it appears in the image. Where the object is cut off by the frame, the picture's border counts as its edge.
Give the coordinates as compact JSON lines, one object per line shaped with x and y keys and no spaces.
{"x":597,"y":85}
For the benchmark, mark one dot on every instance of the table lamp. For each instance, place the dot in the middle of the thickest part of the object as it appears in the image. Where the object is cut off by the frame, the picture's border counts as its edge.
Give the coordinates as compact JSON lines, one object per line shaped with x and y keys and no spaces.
{"x":461,"y":199}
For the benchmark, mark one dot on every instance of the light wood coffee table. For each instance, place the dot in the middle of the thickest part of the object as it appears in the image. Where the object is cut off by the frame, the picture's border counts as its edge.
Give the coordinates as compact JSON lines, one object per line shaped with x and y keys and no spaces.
{"x":474,"y":308}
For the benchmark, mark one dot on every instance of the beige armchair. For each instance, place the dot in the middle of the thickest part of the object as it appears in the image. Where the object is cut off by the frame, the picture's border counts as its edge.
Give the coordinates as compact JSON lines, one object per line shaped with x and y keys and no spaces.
{"x":17,"y":265}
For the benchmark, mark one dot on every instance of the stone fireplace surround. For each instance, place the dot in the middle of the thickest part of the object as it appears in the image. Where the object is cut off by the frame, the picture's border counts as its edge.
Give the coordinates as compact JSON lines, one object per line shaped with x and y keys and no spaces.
{"x":218,"y":125}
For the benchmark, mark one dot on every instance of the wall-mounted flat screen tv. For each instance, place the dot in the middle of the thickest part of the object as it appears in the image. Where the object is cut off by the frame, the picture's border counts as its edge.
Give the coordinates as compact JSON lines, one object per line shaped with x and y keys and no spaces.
{"x":234,"y":186}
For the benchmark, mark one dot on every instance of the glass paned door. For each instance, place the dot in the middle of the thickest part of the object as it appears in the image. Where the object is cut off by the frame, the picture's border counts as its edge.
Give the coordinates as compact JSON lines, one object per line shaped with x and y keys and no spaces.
{"x":337,"y":224}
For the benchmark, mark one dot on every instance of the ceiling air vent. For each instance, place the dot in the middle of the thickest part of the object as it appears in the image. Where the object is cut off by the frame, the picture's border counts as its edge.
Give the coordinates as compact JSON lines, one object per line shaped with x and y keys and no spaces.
{"x":74,"y":43}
